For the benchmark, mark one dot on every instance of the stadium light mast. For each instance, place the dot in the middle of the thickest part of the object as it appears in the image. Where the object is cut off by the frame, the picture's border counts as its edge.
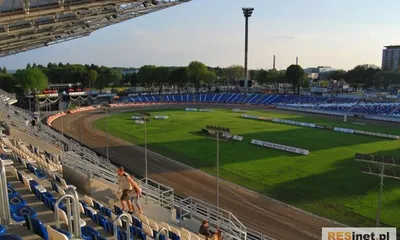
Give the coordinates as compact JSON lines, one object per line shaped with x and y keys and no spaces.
{"x":218,"y":131}
{"x":385,"y":169}
{"x":145,"y":115}
{"x":107,"y":141}
{"x":247,"y":14}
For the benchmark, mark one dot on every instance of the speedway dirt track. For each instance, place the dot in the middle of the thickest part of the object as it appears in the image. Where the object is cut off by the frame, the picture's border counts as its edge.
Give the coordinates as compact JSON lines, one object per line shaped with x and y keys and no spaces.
{"x":253,"y":210}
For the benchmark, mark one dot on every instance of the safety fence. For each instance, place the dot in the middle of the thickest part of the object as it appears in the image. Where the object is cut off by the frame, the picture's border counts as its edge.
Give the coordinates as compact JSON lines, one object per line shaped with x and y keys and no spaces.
{"x":225,"y":220}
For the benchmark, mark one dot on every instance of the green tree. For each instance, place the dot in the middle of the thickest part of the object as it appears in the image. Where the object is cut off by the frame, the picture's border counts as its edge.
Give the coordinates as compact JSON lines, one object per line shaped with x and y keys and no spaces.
{"x":262,"y":77}
{"x":253,"y":74}
{"x":235,"y":72}
{"x":161,"y":77}
{"x":146,"y":75}
{"x":179,"y":77}
{"x":362,"y":75}
{"x":103,"y":80}
{"x":337,"y":75}
{"x":275,"y":77}
{"x":115,"y":77}
{"x":196,"y":71}
{"x":4,"y":70}
{"x":294,"y":75}
{"x":28,"y":66}
{"x":7,"y":82}
{"x":32,"y":79}
{"x":92,"y":76}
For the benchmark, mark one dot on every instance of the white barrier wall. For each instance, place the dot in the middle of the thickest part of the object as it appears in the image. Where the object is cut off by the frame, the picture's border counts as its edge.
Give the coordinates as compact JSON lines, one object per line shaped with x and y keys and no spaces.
{"x":280,"y":147}
{"x":191,"y":109}
{"x":237,"y":138}
{"x":160,"y":117}
{"x":137,"y":117}
{"x":303,"y":124}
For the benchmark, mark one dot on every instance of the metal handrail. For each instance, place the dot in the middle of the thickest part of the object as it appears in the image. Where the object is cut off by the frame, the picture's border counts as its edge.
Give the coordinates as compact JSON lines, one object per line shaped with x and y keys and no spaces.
{"x":74,"y":221}
{"x":5,"y":214}
{"x":160,"y":232}
{"x":128,"y":229}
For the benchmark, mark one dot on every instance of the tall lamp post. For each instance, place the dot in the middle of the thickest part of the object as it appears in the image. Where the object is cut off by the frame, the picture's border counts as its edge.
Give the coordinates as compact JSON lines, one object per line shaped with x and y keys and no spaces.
{"x":218,"y":132}
{"x":384,"y":168}
{"x":247,"y":14}
{"x":107,"y":142}
{"x":145,"y":117}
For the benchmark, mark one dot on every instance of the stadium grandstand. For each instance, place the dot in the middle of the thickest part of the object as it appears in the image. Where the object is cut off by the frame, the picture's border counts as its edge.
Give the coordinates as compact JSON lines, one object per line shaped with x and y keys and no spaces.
{"x":27,"y":25}
{"x":385,"y":110}
{"x":59,"y":189}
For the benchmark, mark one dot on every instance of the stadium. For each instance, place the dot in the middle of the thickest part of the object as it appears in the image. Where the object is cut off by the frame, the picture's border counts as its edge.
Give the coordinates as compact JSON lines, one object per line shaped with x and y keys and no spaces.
{"x":257,"y":166}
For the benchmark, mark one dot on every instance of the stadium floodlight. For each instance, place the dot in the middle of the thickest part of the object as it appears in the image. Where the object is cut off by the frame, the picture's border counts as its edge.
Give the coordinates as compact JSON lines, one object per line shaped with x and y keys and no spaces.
{"x":146,"y":114}
{"x":107,"y":141}
{"x":247,"y":14}
{"x":218,"y":131}
{"x":384,"y":168}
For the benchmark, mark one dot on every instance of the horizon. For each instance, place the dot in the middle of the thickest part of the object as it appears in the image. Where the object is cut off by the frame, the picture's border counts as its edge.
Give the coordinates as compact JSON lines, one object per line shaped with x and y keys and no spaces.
{"x":339,"y":34}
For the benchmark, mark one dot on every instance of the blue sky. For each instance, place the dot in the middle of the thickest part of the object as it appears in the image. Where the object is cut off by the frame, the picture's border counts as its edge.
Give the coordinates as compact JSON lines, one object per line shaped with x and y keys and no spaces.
{"x":338,"y":33}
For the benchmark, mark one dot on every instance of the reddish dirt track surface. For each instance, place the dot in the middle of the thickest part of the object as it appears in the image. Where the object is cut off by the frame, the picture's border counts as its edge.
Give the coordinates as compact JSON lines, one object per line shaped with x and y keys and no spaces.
{"x":254,"y":210}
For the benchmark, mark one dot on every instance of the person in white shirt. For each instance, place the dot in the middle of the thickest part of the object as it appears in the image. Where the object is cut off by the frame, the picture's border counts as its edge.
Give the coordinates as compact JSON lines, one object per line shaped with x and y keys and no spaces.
{"x":127,"y":185}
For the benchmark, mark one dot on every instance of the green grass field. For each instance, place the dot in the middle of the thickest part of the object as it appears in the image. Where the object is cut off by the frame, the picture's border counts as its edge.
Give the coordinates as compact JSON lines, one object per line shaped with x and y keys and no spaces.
{"x":328,"y":182}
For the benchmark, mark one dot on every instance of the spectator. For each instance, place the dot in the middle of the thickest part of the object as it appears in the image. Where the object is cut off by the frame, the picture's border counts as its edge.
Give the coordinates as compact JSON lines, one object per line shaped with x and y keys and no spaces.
{"x":205,"y":231}
{"x":127,"y":184}
{"x":218,"y":235}
{"x":135,"y":198}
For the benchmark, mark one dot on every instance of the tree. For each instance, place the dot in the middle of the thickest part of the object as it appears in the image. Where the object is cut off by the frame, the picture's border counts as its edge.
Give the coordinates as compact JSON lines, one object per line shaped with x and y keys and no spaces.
{"x":32,"y":79}
{"x":161,"y":76}
{"x":294,"y":74}
{"x":362,"y":75}
{"x":179,"y":77}
{"x":262,"y":77}
{"x":146,"y":75}
{"x":337,"y":75}
{"x":253,"y":74}
{"x":28,"y":66}
{"x":275,"y":77}
{"x":103,"y":80}
{"x":235,"y":72}
{"x":7,"y":82}
{"x":92,"y":76}
{"x":196,"y":71}
{"x":115,"y":77}
{"x":4,"y":70}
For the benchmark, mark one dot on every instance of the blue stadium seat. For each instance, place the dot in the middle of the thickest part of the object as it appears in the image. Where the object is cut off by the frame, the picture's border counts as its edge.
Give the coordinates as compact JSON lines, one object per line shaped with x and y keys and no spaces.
{"x":11,"y":192}
{"x":16,"y":203}
{"x":36,"y":227}
{"x":18,"y":214}
{"x":10,"y":237}
{"x":2,"y":229}
{"x":88,"y":232}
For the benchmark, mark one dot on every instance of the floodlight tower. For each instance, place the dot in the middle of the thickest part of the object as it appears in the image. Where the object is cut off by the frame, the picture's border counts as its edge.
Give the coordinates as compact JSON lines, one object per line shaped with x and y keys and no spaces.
{"x":219,"y":131}
{"x":385,"y":169}
{"x":146,"y":116}
{"x":247,"y":14}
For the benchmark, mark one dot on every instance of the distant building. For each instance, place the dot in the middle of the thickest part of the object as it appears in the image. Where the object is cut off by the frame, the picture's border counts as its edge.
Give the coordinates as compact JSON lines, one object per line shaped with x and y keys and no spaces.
{"x":320,"y":72}
{"x":391,"y":58}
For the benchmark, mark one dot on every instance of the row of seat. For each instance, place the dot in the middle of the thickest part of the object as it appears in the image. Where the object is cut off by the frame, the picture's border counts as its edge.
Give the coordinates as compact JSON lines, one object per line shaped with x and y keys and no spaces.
{"x":316,"y":102}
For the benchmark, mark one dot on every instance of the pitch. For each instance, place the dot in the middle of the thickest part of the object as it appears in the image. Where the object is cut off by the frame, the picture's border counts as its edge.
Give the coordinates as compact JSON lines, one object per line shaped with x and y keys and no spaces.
{"x":328,"y":182}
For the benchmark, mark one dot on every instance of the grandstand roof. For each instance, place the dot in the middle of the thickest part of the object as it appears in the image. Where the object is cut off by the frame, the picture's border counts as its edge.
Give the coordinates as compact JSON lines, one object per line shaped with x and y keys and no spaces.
{"x":30,"y":24}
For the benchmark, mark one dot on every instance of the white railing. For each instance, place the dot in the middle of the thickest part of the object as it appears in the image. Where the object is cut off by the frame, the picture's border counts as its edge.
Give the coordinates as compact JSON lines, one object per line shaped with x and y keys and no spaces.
{"x":221,"y":218}
{"x":158,"y":192}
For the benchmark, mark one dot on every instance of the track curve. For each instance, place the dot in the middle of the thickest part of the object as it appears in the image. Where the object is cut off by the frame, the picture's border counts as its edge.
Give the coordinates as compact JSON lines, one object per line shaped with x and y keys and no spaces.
{"x":254,"y":210}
